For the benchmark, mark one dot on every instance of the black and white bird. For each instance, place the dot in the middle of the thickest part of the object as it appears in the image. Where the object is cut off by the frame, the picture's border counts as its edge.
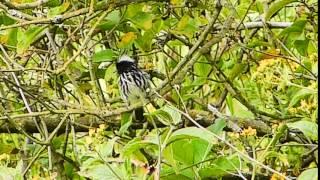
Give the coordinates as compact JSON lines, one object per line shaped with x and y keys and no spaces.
{"x":133,"y":83}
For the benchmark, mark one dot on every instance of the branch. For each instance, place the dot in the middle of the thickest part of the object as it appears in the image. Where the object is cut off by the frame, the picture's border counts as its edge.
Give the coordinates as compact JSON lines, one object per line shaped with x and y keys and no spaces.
{"x":179,"y":72}
{"x":259,"y":24}
{"x":25,"y":5}
{"x":83,"y":123}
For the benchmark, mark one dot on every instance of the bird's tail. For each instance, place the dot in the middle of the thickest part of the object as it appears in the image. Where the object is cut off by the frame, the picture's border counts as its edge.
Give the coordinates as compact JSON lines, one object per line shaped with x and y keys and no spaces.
{"x":138,"y":113}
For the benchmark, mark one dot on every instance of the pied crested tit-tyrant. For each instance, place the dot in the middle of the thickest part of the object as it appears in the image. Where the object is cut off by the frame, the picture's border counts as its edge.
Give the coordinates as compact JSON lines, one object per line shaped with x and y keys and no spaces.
{"x":133,"y":83}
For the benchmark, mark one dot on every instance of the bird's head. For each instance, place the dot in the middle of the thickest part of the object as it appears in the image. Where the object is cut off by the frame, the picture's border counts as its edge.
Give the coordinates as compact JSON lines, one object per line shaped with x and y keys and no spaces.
{"x":125,"y":63}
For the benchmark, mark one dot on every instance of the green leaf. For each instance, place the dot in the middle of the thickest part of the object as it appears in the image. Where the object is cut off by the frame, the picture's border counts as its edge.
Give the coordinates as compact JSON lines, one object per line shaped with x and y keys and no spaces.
{"x":114,"y":16}
{"x":142,"y":20}
{"x":198,"y":81}
{"x":112,"y":19}
{"x":126,"y":121}
{"x":174,"y":114}
{"x":169,"y":157}
{"x":300,"y":95}
{"x":69,"y":170}
{"x":144,"y":42}
{"x":163,"y":116}
{"x":10,"y":173}
{"x":186,"y":26}
{"x":258,"y":42}
{"x":103,"y":56}
{"x":283,"y":158}
{"x":133,"y":9}
{"x":189,"y":151}
{"x":6,"y":148}
{"x":157,"y":25}
{"x":138,"y":143}
{"x":309,"y":174}
{"x":58,"y":10}
{"x":53,"y":3}
{"x":6,"y":20}
{"x":218,"y":126}
{"x":167,"y":115}
{"x":182,"y":153}
{"x":9,"y":37}
{"x":277,"y":6}
{"x":58,"y":141}
{"x":297,"y":27}
{"x":308,"y":128}
{"x":221,"y":167}
{"x":12,"y":37}
{"x":30,"y":36}
{"x":294,"y":152}
{"x":229,"y":102}
{"x":236,"y":70}
{"x":202,"y":68}
{"x":238,"y":109}
{"x":100,"y":171}
{"x":302,"y":46}
{"x":175,"y":177}
{"x":192,"y":132}
{"x":105,"y":149}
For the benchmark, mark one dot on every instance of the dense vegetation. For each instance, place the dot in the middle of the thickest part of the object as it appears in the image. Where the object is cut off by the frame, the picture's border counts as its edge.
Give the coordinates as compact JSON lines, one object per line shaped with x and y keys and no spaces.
{"x":234,"y":89}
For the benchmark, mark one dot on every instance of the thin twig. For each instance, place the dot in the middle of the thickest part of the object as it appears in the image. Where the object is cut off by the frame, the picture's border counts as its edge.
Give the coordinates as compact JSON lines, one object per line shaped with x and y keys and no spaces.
{"x":34,"y":158}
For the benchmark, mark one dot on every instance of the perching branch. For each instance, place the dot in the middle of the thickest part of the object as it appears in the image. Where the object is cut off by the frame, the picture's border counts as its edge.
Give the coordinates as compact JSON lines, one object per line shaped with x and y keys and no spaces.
{"x":83,"y":123}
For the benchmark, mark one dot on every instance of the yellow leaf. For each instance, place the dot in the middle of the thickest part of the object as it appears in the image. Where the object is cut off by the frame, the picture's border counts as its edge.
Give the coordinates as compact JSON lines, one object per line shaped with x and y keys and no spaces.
{"x":92,"y":131}
{"x":203,"y":20}
{"x":186,"y":26}
{"x":127,"y":39}
{"x":3,"y":39}
{"x":4,"y":36}
{"x":17,"y":1}
{"x":183,"y":22}
{"x":276,"y":177}
{"x":4,"y":156}
{"x":176,"y":2}
{"x":150,"y":108}
{"x":270,"y":54}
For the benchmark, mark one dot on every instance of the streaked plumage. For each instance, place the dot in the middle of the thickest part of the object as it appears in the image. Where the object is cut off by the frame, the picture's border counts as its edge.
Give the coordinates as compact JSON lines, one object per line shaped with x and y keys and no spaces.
{"x":133,"y":82}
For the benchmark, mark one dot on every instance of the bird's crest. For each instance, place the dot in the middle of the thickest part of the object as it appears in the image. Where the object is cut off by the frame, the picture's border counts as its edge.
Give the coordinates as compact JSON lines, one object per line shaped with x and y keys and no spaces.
{"x":126,"y":58}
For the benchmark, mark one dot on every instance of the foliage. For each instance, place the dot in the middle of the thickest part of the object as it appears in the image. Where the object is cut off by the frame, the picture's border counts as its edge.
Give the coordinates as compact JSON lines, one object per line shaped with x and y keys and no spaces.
{"x":234,"y":89}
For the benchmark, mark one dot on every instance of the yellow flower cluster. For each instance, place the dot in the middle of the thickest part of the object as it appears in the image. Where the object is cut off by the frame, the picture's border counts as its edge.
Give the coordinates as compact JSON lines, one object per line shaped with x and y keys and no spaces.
{"x":95,"y":134}
{"x":276,"y":177}
{"x":263,"y":64}
{"x":293,"y":110}
{"x":305,"y":106}
{"x":245,"y":132}
{"x":249,"y":132}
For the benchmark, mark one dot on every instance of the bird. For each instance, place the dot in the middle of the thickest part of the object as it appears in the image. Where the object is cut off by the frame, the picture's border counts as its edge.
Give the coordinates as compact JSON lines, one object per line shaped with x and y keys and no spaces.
{"x":133,"y":83}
